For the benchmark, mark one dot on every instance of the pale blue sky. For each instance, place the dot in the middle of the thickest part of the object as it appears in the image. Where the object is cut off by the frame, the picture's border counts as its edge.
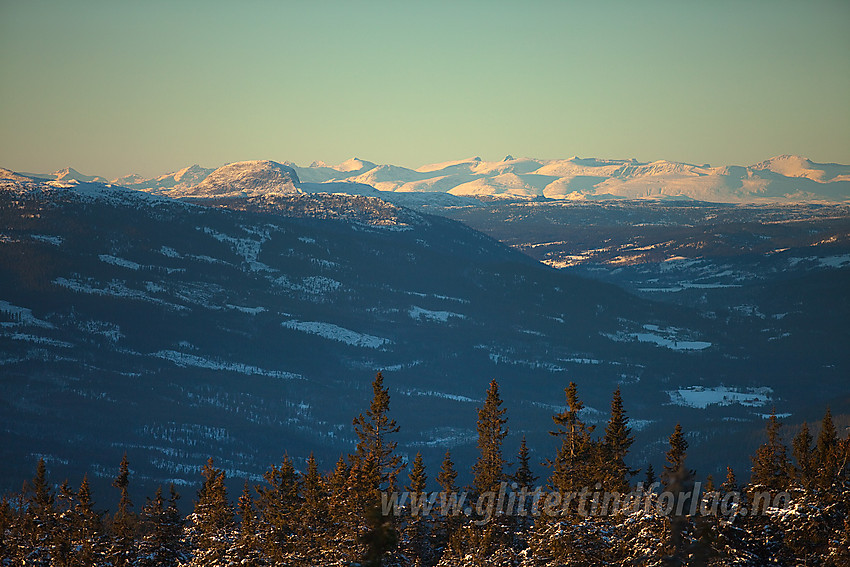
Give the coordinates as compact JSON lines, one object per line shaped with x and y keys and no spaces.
{"x":113,"y":87}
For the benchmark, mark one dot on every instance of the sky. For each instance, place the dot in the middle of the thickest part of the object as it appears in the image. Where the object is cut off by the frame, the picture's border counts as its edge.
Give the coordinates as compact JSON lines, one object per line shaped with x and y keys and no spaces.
{"x":117,"y":87}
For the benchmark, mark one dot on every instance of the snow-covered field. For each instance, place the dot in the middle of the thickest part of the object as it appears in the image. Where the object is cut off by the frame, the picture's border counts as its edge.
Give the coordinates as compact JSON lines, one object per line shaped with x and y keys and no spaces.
{"x":25,"y":316}
{"x":336,"y":333}
{"x":701,"y":397}
{"x":183,"y":359}
{"x":664,"y":337}
{"x":419,"y":314}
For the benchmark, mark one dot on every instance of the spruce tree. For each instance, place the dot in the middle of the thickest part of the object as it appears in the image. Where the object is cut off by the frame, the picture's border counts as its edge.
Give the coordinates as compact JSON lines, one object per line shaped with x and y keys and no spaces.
{"x":524,"y":477}
{"x":447,"y":524}
{"x":416,"y":532}
{"x":802,"y":451}
{"x":341,"y":519}
{"x":247,"y":549}
{"x":731,"y":483}
{"x":39,"y":521}
{"x":770,"y":463}
{"x":488,"y":473}
{"x":826,"y":453}
{"x":418,"y":478}
{"x":675,"y":456}
{"x":211,"y":527}
{"x":122,"y":552}
{"x":615,"y":446}
{"x":313,"y":515}
{"x":374,"y":460}
{"x":649,"y":478}
{"x":278,"y":505}
{"x":163,"y":529}
{"x":447,"y":476}
{"x":576,"y":457}
{"x":86,"y":527}
{"x":374,"y":469}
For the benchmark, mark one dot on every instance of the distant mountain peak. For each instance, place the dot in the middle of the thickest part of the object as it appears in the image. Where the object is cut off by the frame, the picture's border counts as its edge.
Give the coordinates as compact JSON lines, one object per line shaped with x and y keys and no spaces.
{"x":71,"y":174}
{"x":246,"y":178}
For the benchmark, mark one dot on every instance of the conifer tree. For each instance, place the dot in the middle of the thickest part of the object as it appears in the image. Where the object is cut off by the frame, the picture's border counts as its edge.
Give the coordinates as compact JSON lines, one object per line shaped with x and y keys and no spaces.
{"x":675,"y":456}
{"x":42,"y":498}
{"x":574,"y":461}
{"x":313,"y":515}
{"x":278,"y":505}
{"x":163,"y":529}
{"x":488,"y":471}
{"x":122,"y":552}
{"x":342,"y":522}
{"x":416,"y":532}
{"x":418,"y":478}
{"x":62,"y":534}
{"x":615,"y":446}
{"x":247,"y":549}
{"x":374,"y":469}
{"x":448,"y":475}
{"x":38,"y":505}
{"x":374,"y":460}
{"x":524,"y":477}
{"x":447,"y":524}
{"x":802,"y":451}
{"x":770,"y":463}
{"x":212,"y":523}
{"x":84,"y":526}
{"x":731,"y":483}
{"x":649,"y":478}
{"x":826,"y":453}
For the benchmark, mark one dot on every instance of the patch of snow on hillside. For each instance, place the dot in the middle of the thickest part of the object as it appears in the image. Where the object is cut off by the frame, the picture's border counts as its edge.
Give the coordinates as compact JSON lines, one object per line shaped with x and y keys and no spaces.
{"x":313,"y":285}
{"x":441,"y":316}
{"x":115,"y":288}
{"x":248,"y":310}
{"x":110,"y":331}
{"x":435,"y":394}
{"x":665,"y":337}
{"x":579,"y":360}
{"x":169,"y":252}
{"x":38,"y":340}
{"x":247,"y":248}
{"x":446,"y":437}
{"x":24,"y":315}
{"x":183,"y":360}
{"x":701,"y":397}
{"x":54,"y":240}
{"x":336,"y":333}
{"x":121,"y":262}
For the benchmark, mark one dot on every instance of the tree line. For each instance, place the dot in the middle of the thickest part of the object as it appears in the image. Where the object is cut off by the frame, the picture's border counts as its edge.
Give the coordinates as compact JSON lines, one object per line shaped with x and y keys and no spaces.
{"x":339,"y":517}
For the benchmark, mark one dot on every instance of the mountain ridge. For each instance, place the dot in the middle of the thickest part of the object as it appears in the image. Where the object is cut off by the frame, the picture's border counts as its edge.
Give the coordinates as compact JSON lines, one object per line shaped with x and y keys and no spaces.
{"x":784,"y":178}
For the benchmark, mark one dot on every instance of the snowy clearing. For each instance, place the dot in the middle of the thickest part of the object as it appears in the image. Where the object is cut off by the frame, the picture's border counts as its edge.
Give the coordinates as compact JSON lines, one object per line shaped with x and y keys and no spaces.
{"x":25,"y":315}
{"x":701,"y":397}
{"x":419,"y":314}
{"x":336,"y":333}
{"x":183,"y":360}
{"x":435,"y":394}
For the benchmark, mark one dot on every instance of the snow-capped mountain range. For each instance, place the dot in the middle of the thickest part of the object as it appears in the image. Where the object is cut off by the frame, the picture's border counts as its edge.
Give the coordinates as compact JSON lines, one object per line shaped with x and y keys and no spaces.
{"x":784,"y":178}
